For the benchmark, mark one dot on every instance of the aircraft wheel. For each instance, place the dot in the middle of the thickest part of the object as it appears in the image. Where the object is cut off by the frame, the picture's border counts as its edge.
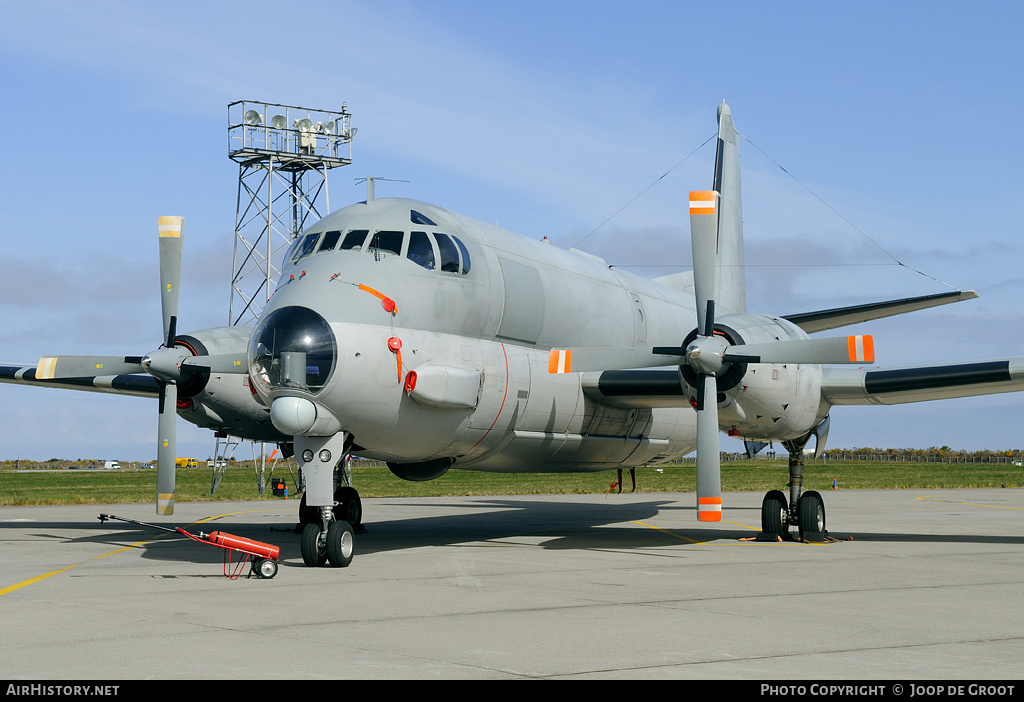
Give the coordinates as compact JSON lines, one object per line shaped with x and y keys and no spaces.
{"x":266,"y":568}
{"x":774,"y":513}
{"x":811,"y":513}
{"x":340,"y":543}
{"x":313,"y":553}
{"x":349,"y":507}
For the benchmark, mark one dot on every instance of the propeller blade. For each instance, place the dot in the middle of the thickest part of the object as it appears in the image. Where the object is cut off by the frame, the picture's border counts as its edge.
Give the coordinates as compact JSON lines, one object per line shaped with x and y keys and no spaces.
{"x":166,"y":448}
{"x":709,"y":480}
{"x":704,"y":245}
{"x":170,"y":229}
{"x":52,"y":367}
{"x":844,"y":349}
{"x":217,"y":363}
{"x":602,"y":358}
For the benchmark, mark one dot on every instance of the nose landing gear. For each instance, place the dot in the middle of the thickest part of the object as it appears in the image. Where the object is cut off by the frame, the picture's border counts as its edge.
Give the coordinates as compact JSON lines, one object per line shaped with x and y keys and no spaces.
{"x":335,"y":544}
{"x":330,"y":512}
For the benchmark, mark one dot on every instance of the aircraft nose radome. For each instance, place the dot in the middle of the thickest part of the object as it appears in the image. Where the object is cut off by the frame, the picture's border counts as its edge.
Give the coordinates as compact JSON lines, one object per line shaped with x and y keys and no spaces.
{"x":292,"y":415}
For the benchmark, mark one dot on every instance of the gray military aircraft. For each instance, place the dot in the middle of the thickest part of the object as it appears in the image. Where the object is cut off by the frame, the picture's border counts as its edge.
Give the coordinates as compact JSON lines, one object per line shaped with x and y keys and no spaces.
{"x":403,"y":332}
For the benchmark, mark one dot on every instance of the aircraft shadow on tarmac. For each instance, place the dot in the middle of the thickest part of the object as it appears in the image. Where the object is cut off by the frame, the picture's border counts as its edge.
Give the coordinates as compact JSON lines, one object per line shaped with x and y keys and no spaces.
{"x":541,"y":524}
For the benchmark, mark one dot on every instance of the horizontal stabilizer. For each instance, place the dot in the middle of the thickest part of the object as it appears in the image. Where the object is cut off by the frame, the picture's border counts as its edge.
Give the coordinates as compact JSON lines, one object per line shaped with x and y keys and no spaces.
{"x":679,"y":281}
{"x":823,"y":320}
{"x":859,"y":386}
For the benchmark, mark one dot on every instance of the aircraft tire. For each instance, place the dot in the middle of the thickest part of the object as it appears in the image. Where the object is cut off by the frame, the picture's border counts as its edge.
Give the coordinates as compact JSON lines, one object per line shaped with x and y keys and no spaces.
{"x":811,"y":513}
{"x":774,"y":513}
{"x":312,"y":554}
{"x":349,"y":507}
{"x":340,"y":543}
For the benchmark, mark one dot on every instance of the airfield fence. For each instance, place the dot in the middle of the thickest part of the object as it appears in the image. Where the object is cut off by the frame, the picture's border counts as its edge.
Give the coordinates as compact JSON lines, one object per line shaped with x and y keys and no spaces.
{"x":1015,"y":458}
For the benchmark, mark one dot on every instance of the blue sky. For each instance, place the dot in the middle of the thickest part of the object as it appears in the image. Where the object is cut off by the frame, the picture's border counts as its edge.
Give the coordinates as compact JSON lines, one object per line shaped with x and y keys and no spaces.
{"x":546,"y":117}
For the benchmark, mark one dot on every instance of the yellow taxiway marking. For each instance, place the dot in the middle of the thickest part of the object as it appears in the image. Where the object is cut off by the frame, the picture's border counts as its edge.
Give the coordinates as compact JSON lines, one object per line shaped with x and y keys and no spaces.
{"x":670,"y":533}
{"x":688,"y":539}
{"x":972,"y":504}
{"x":36,"y":579}
{"x":44,"y":576}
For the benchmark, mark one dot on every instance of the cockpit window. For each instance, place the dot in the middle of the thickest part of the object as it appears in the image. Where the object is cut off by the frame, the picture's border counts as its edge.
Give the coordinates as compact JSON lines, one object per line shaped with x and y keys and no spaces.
{"x":465,"y":255}
{"x":449,"y":254}
{"x":421,"y":219}
{"x":307,"y":247}
{"x":421,"y":251}
{"x":431,"y":250}
{"x":354,"y":239}
{"x":386,"y":242}
{"x":330,"y":241}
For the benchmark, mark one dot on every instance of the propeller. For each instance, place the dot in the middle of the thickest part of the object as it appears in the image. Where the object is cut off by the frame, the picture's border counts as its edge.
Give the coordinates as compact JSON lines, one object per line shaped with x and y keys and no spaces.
{"x":709,"y":355}
{"x":704,"y":354}
{"x":167,"y":364}
{"x":170,"y":229}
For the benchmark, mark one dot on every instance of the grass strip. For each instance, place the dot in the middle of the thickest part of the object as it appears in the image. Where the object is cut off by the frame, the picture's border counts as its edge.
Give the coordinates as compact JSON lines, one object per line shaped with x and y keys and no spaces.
{"x":20,"y":487}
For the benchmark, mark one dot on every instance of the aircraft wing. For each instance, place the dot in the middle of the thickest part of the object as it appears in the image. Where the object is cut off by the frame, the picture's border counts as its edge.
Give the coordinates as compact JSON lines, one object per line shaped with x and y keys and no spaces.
{"x":823,"y":320}
{"x":839,"y":385}
{"x":646,"y":388}
{"x":878,"y":386}
{"x":137,"y":385}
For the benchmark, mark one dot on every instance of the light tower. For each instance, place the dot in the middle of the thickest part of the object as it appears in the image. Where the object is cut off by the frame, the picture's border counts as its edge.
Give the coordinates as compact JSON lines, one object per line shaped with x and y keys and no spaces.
{"x":283,"y":154}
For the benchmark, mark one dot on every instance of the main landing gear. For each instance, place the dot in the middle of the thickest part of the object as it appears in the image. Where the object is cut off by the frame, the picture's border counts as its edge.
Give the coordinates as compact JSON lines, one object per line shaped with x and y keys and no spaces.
{"x":805,"y":511}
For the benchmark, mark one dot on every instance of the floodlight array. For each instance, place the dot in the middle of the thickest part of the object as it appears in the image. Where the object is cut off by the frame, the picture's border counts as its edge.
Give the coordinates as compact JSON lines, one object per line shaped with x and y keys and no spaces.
{"x":289,"y":133}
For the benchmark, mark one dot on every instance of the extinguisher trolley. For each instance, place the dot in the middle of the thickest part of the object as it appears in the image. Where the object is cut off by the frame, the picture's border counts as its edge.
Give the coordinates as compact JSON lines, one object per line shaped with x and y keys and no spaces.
{"x":263,"y":556}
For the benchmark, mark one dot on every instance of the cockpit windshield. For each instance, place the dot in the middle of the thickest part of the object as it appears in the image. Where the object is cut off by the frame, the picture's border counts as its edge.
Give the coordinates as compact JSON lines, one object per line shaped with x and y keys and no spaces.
{"x":292,"y":348}
{"x":433,"y":250}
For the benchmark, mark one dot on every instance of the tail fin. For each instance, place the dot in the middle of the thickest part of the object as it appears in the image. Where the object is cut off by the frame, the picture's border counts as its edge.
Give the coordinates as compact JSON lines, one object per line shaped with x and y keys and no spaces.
{"x":732,"y":286}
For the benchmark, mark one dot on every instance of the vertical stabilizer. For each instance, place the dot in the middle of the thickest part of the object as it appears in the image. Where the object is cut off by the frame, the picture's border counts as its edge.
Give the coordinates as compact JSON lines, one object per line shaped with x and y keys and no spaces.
{"x":732,"y":287}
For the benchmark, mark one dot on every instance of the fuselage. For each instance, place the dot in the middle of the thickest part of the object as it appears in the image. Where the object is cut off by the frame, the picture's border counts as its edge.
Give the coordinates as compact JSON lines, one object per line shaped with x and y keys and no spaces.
{"x":475,"y":310}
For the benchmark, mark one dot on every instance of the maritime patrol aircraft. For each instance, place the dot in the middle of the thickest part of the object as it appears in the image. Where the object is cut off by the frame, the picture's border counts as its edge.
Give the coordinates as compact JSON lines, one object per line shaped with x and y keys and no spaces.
{"x":404,"y":332}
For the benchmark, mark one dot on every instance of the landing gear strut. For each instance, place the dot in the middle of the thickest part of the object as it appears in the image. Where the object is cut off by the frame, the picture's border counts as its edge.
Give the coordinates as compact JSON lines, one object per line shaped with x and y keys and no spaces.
{"x":805,"y":511}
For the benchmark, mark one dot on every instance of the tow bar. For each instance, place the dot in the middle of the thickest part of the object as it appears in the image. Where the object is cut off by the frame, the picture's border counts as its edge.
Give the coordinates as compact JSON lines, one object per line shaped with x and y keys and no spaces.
{"x":264,"y":563}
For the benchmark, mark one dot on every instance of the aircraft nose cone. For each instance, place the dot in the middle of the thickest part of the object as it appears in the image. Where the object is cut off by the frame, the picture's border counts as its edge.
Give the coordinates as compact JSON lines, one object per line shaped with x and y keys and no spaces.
{"x":293,"y":416}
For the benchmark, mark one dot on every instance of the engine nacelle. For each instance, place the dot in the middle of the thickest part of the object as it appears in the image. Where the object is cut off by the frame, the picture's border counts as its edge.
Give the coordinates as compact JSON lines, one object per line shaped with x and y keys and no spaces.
{"x":763,"y":401}
{"x":223,"y":401}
